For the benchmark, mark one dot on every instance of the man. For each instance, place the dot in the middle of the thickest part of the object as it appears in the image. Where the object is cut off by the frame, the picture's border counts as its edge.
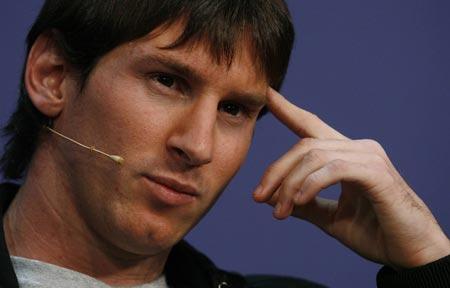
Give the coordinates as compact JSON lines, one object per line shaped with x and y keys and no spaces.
{"x":173,"y":89}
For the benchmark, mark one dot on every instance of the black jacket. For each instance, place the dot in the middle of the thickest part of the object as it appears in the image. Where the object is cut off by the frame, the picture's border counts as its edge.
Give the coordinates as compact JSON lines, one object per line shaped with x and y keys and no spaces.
{"x":188,"y":268}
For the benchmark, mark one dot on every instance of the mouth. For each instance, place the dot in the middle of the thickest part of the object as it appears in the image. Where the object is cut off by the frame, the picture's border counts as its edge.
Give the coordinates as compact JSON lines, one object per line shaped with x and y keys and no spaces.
{"x":169,"y":191}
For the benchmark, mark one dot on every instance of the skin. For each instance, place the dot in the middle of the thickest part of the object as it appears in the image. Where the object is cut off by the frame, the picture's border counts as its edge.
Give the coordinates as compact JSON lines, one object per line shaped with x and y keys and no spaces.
{"x":97,"y":218}
{"x":195,"y":126}
{"x":377,"y":215}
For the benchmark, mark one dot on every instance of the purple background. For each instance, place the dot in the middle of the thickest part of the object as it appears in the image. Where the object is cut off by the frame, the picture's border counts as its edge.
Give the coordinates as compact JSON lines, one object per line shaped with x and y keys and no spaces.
{"x":373,"y":69}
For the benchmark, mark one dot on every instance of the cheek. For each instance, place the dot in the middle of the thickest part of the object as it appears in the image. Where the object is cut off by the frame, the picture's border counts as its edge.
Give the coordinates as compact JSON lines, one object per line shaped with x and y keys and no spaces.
{"x":231,"y":153}
{"x":131,"y":121}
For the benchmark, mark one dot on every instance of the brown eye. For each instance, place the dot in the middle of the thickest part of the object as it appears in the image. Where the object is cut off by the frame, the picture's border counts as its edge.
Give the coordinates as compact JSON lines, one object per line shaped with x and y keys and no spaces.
{"x":165,"y":80}
{"x":231,"y":108}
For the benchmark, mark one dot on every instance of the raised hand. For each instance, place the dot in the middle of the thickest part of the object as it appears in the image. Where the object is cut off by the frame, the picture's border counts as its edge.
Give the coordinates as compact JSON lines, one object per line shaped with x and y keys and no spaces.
{"x":377,"y":215}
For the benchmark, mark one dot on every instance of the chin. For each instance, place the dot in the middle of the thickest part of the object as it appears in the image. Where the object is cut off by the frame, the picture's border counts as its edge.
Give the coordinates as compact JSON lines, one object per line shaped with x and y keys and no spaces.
{"x":145,"y":233}
{"x":138,"y":224}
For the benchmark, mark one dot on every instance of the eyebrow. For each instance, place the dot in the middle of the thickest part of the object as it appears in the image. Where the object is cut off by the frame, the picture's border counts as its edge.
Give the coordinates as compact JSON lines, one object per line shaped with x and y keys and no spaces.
{"x":250,"y":99}
{"x":172,"y":64}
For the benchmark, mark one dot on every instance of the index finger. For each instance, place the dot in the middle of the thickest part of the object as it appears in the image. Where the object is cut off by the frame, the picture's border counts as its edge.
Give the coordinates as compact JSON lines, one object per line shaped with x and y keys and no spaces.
{"x":301,"y":122}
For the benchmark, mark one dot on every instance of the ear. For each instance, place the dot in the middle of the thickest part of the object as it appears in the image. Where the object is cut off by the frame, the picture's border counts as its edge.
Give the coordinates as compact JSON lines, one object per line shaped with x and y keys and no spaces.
{"x":44,"y":75}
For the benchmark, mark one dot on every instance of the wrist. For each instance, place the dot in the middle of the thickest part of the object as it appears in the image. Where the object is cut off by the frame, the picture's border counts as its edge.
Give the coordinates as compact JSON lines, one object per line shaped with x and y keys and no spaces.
{"x":439,"y":249}
{"x":434,"y":274}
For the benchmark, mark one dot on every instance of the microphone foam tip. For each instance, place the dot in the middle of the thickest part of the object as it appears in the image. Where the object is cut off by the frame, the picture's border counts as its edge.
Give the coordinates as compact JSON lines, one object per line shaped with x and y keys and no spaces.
{"x":117,"y":159}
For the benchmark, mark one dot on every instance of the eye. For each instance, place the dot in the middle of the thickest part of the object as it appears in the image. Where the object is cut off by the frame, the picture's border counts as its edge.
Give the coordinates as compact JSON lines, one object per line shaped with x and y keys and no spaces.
{"x":165,"y":80}
{"x":167,"y":84}
{"x":231,"y":108}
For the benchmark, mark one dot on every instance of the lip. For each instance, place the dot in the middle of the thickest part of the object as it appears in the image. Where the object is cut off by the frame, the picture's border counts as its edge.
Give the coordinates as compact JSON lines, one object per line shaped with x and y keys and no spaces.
{"x":169,"y":191}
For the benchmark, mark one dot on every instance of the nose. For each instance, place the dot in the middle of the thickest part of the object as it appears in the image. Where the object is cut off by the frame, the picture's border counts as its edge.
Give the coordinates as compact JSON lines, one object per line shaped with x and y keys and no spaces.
{"x":192,"y":139}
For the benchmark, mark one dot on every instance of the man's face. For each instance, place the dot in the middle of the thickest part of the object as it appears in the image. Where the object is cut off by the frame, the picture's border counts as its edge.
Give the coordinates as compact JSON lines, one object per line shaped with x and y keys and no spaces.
{"x":177,"y":118}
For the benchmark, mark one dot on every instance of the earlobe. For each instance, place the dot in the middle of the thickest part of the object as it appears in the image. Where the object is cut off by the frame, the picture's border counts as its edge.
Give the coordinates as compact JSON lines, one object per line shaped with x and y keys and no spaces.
{"x":44,"y":76}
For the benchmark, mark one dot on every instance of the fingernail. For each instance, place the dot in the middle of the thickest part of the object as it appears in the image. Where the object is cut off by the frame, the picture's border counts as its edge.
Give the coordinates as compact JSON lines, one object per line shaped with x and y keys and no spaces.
{"x":258,"y":191}
{"x":298,"y":197}
{"x":278,"y":208}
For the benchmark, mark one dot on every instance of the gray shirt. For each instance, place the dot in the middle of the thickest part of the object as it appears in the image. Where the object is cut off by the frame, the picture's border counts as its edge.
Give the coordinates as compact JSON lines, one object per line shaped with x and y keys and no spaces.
{"x":37,"y":274}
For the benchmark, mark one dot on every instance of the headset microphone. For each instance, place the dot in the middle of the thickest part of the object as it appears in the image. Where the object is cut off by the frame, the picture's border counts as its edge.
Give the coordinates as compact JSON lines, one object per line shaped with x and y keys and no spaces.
{"x":119,"y":160}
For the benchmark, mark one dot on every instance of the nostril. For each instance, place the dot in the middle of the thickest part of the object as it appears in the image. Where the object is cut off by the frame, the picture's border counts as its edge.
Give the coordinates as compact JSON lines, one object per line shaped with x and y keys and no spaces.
{"x":191,"y":158}
{"x":180,"y":152}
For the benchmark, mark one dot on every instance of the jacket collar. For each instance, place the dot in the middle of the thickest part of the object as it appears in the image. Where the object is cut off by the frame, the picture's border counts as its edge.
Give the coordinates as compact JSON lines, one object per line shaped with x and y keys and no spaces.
{"x":7,"y":276}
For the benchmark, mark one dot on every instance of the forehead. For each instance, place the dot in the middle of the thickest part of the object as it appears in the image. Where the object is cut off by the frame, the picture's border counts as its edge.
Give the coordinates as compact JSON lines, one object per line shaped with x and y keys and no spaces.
{"x":197,"y":56}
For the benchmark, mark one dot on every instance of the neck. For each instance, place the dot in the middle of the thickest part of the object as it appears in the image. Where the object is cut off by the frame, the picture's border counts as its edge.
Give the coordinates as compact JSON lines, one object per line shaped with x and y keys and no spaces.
{"x":43,"y":223}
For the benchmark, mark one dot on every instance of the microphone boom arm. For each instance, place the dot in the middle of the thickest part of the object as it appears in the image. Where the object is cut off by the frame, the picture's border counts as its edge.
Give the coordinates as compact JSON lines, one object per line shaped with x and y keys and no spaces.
{"x":119,"y":160}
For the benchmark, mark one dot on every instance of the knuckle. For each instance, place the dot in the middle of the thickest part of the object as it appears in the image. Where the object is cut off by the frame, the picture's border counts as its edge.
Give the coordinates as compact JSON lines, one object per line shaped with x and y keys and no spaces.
{"x":372,"y":145}
{"x":307,"y":142}
{"x":290,"y":186}
{"x":314,"y":117}
{"x":270,"y":173}
{"x":390,"y":180}
{"x":314,"y":156}
{"x":378,"y":162}
{"x":338,"y":165}
{"x":377,"y":177}
{"x":313,"y":180}
{"x":386,"y":176}
{"x":271,"y":169}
